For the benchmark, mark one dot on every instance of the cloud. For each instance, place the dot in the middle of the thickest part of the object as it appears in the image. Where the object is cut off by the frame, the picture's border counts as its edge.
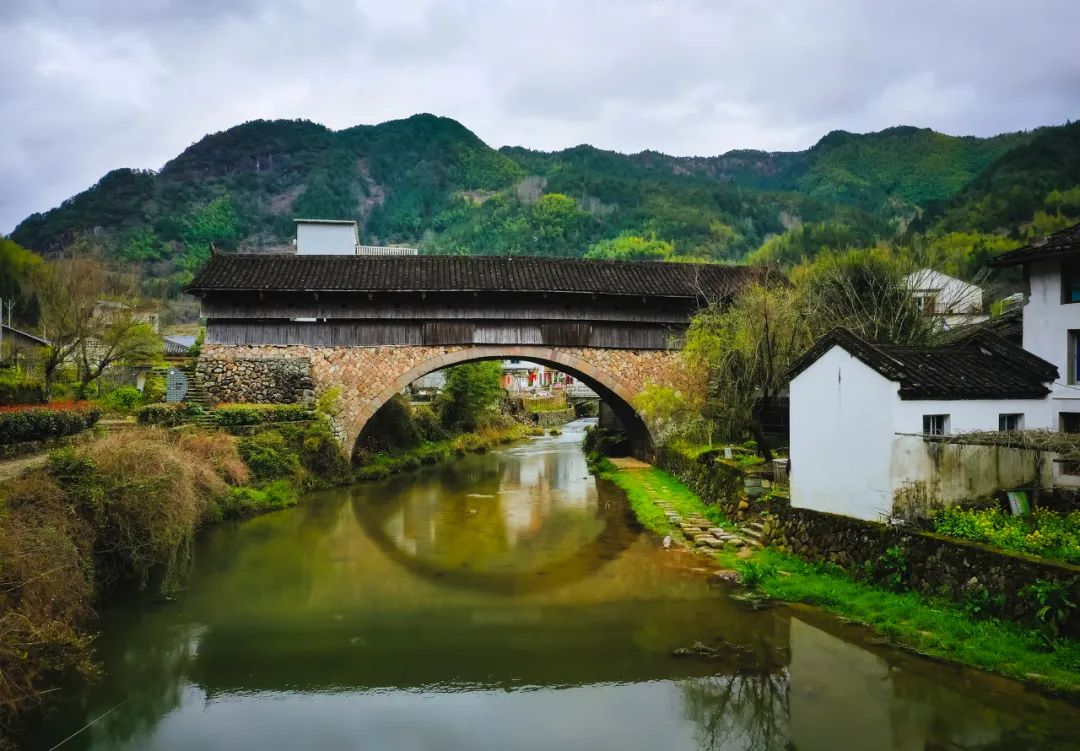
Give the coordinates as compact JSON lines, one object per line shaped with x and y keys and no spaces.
{"x":91,"y":85}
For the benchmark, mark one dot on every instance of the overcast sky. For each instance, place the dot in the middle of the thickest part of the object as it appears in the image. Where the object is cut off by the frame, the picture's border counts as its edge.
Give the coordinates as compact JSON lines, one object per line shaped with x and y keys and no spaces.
{"x":90,"y":85}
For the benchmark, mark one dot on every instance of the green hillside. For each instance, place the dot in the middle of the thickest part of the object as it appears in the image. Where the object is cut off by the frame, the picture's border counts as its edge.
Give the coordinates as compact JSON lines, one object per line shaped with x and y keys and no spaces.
{"x":429,"y":181}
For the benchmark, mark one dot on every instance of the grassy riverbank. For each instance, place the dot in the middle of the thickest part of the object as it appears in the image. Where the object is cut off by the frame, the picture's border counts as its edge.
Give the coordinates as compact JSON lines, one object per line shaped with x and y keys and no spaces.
{"x":380,"y":465}
{"x":938,"y":629}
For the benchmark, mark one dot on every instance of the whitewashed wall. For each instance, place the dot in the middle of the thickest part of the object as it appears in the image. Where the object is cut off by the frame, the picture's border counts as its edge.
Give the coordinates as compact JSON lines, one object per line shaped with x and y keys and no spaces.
{"x":966,"y":415}
{"x":326,"y":239}
{"x":1046,"y":334}
{"x":841,"y":437}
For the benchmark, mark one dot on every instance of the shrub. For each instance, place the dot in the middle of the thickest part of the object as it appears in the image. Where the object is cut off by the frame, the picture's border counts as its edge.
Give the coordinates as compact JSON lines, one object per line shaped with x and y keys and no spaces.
{"x":320,"y":454}
{"x":16,"y":388}
{"x":232,"y":415}
{"x":1046,"y":533}
{"x":1052,"y":604}
{"x":269,"y":457}
{"x":244,"y":501}
{"x":168,"y":415}
{"x":218,"y":451}
{"x":44,"y":423}
{"x":752,"y":573}
{"x":889,"y":570}
{"x":144,"y":495}
{"x":604,"y":442}
{"x":427,"y":423}
{"x":123,"y":399}
{"x":45,"y":591}
{"x":391,"y":428}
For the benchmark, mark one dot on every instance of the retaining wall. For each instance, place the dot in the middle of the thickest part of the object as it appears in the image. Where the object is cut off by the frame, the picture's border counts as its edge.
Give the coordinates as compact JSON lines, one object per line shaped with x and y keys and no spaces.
{"x":936,"y":565}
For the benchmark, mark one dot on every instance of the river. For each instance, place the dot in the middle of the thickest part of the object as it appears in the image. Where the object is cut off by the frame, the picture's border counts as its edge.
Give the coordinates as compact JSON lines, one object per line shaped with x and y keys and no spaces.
{"x":505,"y":601}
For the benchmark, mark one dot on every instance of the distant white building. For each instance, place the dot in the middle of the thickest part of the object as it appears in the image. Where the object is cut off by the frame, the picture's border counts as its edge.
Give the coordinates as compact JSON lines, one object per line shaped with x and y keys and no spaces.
{"x":336,"y":237}
{"x":951,"y":301}
{"x":859,"y":411}
{"x":326,"y":237}
{"x":1052,"y":317}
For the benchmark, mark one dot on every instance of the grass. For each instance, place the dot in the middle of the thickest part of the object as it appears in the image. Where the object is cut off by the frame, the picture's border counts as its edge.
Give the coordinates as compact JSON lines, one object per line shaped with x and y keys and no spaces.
{"x":935,"y":628}
{"x":644,"y":487}
{"x":381,"y":465}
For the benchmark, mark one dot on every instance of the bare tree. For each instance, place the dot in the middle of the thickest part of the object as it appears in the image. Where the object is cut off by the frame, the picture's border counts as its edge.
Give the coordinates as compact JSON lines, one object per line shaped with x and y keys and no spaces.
{"x":67,"y":292}
{"x":116,"y":334}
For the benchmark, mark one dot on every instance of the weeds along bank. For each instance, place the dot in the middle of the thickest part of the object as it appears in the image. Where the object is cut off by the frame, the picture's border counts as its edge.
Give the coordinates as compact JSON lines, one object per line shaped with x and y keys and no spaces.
{"x":1028,"y":645}
{"x":125,"y":507}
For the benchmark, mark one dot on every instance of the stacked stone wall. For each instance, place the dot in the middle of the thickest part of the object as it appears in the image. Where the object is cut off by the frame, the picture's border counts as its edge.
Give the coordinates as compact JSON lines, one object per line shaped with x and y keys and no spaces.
{"x":258,"y":380}
{"x":937,"y":566}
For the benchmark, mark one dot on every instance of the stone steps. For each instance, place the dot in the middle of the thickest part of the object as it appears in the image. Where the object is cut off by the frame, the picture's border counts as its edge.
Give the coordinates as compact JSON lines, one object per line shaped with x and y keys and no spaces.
{"x":704,"y":534}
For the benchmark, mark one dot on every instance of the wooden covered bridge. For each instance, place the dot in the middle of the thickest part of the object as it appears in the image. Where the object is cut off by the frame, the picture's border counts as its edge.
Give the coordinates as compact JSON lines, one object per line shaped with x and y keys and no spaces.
{"x":281,"y":328}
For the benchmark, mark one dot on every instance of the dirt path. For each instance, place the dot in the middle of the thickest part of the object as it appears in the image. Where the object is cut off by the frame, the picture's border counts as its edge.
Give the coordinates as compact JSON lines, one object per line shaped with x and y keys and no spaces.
{"x":12,"y":468}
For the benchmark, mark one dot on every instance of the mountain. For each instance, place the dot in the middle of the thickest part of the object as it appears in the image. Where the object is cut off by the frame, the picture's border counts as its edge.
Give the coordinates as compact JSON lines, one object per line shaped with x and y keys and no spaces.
{"x":429,"y":181}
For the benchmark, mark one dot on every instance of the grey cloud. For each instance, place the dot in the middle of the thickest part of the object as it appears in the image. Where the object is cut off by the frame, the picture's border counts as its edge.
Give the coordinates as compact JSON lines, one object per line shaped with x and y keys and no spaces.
{"x":90,"y":85}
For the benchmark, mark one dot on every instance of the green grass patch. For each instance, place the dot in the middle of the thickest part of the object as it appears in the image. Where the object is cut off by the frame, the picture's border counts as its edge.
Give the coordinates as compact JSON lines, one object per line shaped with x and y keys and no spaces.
{"x":247,"y":501}
{"x":643,"y":487}
{"x":932,"y":627}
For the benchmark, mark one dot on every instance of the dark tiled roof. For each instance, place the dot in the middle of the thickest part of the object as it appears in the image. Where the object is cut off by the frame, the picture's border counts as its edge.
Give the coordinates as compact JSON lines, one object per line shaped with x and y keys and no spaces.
{"x":178,"y":345}
{"x":979,"y":366}
{"x":467,"y":274}
{"x":1062,"y":243}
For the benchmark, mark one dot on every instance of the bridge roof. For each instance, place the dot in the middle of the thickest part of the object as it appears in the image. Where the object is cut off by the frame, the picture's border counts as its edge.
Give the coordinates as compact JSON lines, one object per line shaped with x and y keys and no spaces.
{"x":296,"y":273}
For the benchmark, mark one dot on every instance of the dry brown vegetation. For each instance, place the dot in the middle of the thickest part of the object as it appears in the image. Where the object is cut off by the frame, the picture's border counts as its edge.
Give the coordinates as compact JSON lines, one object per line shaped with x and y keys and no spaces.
{"x":126,"y":506}
{"x":46,"y":591}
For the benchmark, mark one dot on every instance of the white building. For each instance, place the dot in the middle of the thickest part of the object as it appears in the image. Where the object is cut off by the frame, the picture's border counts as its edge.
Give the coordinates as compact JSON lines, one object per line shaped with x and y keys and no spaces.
{"x":1052,"y":317}
{"x":858,"y":412}
{"x":953,"y":302}
{"x":326,"y":237}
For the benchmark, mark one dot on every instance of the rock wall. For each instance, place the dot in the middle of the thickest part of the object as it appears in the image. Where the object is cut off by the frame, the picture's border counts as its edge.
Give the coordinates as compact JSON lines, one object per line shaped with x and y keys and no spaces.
{"x":936,"y":565}
{"x":553,"y":417}
{"x":258,"y":380}
{"x":720,"y":485}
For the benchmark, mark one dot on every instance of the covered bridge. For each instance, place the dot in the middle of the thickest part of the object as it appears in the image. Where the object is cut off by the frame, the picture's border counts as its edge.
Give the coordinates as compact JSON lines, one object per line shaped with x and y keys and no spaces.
{"x":281,"y":327}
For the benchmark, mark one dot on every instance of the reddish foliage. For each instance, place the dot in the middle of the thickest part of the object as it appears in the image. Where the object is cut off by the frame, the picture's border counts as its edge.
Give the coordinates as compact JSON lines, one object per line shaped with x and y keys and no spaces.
{"x":67,"y":406}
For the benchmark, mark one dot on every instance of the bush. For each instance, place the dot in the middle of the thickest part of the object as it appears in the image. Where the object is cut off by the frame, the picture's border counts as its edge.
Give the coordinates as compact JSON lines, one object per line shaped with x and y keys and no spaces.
{"x":44,"y":423}
{"x":144,"y":495}
{"x":427,"y":423}
{"x":320,"y":454}
{"x":242,"y":502}
{"x":168,"y":415}
{"x":604,"y":442}
{"x":18,"y":389}
{"x":269,"y":457}
{"x":123,"y":399}
{"x":391,"y":428}
{"x":232,"y":415}
{"x":45,"y":592}
{"x":890,"y":570}
{"x":1045,"y":533}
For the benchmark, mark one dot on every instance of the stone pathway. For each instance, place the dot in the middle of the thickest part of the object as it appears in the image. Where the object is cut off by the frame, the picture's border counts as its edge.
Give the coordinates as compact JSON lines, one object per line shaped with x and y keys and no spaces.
{"x":628,"y":462}
{"x":703,"y":535}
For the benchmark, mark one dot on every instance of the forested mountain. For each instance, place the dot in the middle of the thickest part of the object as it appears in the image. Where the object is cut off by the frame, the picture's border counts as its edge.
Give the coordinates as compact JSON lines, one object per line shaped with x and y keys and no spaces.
{"x":431,"y":182}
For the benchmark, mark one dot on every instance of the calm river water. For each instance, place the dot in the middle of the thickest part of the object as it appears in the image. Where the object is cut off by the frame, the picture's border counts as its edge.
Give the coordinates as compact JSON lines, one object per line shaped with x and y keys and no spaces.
{"x":505,"y":601}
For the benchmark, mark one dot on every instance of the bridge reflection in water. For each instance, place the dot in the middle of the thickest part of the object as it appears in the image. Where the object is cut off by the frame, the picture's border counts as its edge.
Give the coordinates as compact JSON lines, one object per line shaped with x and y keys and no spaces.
{"x":505,"y":601}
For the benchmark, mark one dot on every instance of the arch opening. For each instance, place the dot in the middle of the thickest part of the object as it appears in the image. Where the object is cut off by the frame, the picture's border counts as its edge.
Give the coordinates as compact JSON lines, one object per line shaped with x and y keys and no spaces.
{"x":613,"y":394}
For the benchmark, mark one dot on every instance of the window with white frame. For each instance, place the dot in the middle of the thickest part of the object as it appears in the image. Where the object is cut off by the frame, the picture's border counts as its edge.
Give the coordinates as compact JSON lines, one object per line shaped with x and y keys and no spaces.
{"x":935,"y":424}
{"x":1011,"y":421}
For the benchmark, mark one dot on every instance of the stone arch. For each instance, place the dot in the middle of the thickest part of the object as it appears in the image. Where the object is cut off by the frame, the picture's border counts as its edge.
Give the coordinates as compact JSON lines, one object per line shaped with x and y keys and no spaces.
{"x":613,"y":391}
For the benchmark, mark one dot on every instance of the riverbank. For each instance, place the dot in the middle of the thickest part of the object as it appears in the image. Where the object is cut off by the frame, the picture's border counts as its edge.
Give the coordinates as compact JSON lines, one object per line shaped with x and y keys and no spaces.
{"x":937,"y":629}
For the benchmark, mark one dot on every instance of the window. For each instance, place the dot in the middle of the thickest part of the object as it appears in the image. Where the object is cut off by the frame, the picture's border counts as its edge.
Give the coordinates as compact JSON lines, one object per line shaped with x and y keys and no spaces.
{"x":929,"y":304}
{"x":1010,"y":421}
{"x":1074,"y":356}
{"x":1070,"y":422}
{"x":1070,"y":281}
{"x":935,"y":424}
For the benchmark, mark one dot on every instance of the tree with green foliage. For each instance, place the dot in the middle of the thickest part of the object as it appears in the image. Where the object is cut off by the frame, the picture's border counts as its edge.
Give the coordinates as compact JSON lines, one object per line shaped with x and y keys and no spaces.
{"x":17,"y":264}
{"x":747,"y":348}
{"x":471,"y":390}
{"x":115,"y":335}
{"x":632,"y":248}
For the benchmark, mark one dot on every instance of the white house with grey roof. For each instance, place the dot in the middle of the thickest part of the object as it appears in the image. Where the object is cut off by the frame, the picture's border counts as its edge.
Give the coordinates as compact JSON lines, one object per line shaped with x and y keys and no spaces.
{"x":859,"y":411}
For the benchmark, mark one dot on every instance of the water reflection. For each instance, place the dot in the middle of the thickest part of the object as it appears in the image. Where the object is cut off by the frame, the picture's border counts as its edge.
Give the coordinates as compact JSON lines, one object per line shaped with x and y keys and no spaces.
{"x":504,"y":601}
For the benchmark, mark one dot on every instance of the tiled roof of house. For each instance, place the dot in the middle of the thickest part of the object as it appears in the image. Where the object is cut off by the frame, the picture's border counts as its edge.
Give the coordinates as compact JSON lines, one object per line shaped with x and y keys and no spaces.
{"x":1061,"y":243}
{"x":467,"y":274}
{"x":178,"y":345}
{"x":979,"y":366}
